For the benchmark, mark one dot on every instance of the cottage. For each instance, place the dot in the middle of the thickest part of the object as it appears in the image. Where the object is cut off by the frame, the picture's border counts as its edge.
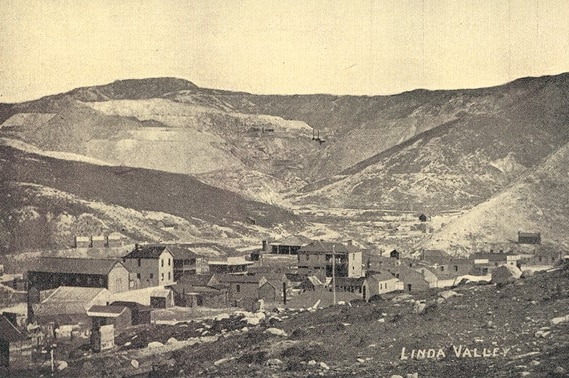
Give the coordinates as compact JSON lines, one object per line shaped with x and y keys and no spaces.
{"x":380,"y":283}
{"x":119,"y":316}
{"x":410,"y":279}
{"x":115,"y":240}
{"x":240,"y":287}
{"x":318,"y":257}
{"x":529,"y":237}
{"x":200,"y":290}
{"x":140,"y":314}
{"x":14,"y":346}
{"x":161,"y":298}
{"x":67,"y":306}
{"x":98,"y":241}
{"x":52,"y":272}
{"x":150,"y":265}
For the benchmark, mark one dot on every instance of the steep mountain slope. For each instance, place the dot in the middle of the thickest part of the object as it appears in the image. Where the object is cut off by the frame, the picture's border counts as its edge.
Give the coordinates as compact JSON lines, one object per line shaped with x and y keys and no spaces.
{"x":460,"y":163}
{"x":37,"y":189}
{"x":538,"y":201}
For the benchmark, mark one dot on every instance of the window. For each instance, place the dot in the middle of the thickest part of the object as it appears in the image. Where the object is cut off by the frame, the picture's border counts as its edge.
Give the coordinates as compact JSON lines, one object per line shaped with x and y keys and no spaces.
{"x":307,"y":257}
{"x":138,"y":262}
{"x":442,"y":268}
{"x":238,"y":288}
{"x":169,"y":276}
{"x":456,"y":268}
{"x":168,"y":261}
{"x":138,"y":275}
{"x":162,"y":262}
{"x":161,"y":276}
{"x":380,"y":286}
{"x":151,"y":275}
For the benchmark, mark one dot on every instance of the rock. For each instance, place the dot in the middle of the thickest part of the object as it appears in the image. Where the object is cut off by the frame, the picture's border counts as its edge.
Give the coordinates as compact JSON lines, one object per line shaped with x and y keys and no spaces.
{"x":155,"y":344}
{"x":324,"y":366}
{"x":171,"y":340}
{"x":505,"y":274}
{"x":448,"y":294}
{"x":372,"y":346}
{"x":419,"y":307}
{"x":223,"y":360}
{"x":396,"y":376}
{"x":559,"y":370}
{"x":311,"y":363}
{"x":441,"y":300}
{"x":559,"y":320}
{"x":274,"y":362}
{"x":62,"y":365}
{"x":525,"y":374}
{"x":382,"y":320}
{"x":127,"y":344}
{"x":534,"y":363}
{"x":220,"y":317}
{"x":527,"y":273}
{"x":414,"y":375}
{"x":276,"y":332}
{"x":134,"y":364}
{"x":361,"y":360}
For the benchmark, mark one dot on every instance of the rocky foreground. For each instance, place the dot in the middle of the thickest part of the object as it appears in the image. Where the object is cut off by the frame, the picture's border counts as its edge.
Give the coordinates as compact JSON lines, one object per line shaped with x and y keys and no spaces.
{"x":514,"y":330}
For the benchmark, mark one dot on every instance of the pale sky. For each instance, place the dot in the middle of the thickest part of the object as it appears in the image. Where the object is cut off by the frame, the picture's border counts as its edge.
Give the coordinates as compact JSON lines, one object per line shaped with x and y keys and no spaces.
{"x":283,"y":47}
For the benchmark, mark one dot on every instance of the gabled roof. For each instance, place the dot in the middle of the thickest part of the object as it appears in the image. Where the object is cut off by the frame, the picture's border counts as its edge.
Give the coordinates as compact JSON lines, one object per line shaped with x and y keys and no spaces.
{"x":147,"y":252}
{"x":320,"y":246}
{"x":75,"y":265}
{"x":8,"y":332}
{"x":74,"y":294}
{"x":194,"y":280}
{"x":181,"y":253}
{"x":383,"y":276}
{"x":161,"y":293}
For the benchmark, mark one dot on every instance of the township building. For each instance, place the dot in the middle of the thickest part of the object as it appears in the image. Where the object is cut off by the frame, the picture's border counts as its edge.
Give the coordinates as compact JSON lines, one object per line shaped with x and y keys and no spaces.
{"x":318,"y":257}
{"x":231,"y":265}
{"x":52,"y":272}
{"x":187,"y":262}
{"x":150,"y":265}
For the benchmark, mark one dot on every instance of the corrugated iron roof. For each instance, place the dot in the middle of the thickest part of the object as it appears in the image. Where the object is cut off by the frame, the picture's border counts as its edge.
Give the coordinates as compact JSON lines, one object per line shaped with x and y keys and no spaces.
{"x":294,"y":240}
{"x":106,"y":311}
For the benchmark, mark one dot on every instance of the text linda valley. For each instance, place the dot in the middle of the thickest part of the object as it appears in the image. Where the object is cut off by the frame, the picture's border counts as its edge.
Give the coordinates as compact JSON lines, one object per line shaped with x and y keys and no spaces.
{"x":458,"y":351}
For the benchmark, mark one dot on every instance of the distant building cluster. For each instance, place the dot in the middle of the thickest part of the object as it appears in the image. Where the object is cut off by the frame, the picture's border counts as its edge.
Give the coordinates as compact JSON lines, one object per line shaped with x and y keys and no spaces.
{"x":112,"y":240}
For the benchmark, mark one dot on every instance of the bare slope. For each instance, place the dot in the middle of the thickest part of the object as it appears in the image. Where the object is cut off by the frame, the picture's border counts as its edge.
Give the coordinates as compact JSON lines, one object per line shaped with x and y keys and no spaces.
{"x":129,"y":188}
{"x":462,"y":162}
{"x":538,"y":201}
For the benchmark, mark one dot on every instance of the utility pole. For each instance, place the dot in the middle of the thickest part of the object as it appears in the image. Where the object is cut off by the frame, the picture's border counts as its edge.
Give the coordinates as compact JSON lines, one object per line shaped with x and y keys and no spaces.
{"x":334,"y":274}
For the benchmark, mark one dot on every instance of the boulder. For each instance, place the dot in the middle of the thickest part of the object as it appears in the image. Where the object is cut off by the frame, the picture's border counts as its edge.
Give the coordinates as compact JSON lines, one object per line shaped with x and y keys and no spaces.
{"x":274,"y":362}
{"x":155,"y":344}
{"x":61,"y":365}
{"x":134,"y":364}
{"x":324,"y":366}
{"x":276,"y":331}
{"x":448,"y":294}
{"x":505,"y":273}
{"x":561,"y":319}
{"x":172,"y":340}
{"x":223,"y":360}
